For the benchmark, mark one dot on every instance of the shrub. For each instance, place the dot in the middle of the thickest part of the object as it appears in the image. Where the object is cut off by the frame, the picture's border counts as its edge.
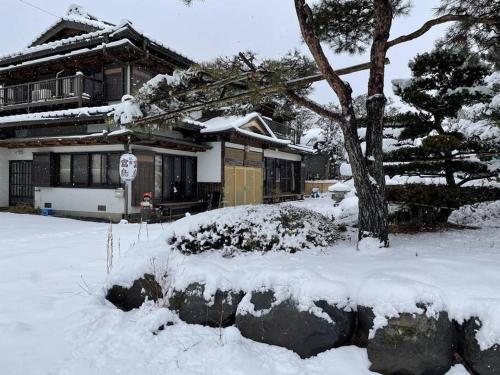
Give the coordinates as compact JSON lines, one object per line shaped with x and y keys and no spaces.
{"x":260,"y":228}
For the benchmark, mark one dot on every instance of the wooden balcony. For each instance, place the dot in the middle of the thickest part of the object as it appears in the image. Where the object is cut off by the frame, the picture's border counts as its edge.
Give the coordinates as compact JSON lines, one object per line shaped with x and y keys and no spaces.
{"x":78,"y":90}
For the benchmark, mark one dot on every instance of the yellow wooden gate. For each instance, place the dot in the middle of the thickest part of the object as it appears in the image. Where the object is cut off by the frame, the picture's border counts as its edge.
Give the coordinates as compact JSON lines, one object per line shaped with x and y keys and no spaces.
{"x":242,"y":185}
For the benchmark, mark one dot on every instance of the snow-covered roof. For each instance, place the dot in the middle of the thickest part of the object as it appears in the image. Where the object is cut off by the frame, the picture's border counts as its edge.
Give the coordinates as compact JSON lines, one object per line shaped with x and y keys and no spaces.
{"x":312,"y":136}
{"x":63,"y":42}
{"x":339,"y":187}
{"x":101,"y":30}
{"x":303,"y":148}
{"x":76,"y":112}
{"x":225,"y":123}
{"x":72,"y":53}
{"x":76,"y":14}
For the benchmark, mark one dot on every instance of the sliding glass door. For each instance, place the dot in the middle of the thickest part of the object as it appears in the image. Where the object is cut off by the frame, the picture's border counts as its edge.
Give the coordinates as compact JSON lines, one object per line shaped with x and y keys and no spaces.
{"x":178,"y":178}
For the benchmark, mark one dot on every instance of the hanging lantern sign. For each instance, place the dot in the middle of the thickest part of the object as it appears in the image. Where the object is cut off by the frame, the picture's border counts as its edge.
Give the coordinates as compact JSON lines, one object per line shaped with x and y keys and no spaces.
{"x":128,"y":167}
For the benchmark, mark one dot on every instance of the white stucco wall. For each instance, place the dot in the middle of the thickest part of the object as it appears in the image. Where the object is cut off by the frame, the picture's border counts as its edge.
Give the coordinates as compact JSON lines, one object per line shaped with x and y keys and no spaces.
{"x":80,"y":200}
{"x":83,"y":200}
{"x":268,"y":153}
{"x":210,"y":164}
{"x":4,"y":177}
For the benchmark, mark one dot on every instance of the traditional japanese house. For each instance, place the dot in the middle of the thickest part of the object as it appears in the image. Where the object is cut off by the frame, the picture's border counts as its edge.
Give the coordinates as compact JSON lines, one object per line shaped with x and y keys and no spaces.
{"x":59,"y":148}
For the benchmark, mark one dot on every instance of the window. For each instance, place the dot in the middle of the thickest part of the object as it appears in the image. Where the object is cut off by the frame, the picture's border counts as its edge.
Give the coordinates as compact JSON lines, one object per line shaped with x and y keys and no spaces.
{"x":83,"y":170}
{"x":80,"y":170}
{"x":158,"y":176}
{"x":281,"y":176}
{"x":113,"y":78}
{"x":139,"y":77}
{"x":113,"y":173}
{"x":65,"y":169}
{"x":98,"y":168}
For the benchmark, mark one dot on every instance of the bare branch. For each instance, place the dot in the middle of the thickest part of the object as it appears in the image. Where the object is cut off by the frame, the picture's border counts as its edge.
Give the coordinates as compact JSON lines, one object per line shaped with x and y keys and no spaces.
{"x":306,"y":27}
{"x":440,"y":20}
{"x":315,"y":107}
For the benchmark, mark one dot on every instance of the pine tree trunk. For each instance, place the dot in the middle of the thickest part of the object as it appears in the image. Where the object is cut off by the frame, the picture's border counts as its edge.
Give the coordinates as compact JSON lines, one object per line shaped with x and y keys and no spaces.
{"x":372,"y":217}
{"x":448,"y":171}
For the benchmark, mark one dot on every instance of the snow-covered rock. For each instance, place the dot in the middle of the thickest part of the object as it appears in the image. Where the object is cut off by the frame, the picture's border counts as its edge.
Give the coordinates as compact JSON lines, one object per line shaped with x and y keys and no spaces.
{"x":413,"y":344}
{"x":483,"y":361}
{"x":217,"y":311}
{"x":264,"y":316}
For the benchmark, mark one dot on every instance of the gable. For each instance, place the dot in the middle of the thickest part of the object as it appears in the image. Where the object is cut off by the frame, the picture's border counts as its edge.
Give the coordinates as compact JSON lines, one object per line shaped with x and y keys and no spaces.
{"x":61,"y":30}
{"x":76,"y":22}
{"x":255,"y":127}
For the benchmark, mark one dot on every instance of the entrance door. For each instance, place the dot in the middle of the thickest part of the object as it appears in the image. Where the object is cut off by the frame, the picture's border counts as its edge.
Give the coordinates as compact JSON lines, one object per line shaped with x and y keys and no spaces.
{"x":179,"y":178}
{"x":242,"y":185}
{"x":20,"y":184}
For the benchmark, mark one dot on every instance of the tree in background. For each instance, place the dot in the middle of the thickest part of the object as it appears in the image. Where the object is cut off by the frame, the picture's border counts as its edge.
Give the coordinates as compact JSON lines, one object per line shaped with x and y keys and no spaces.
{"x":444,"y":83}
{"x":477,"y":37}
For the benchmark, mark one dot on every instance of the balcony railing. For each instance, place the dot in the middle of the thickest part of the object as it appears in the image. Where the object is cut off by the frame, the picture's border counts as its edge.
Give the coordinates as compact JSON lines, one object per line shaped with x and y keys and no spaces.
{"x":77,"y":89}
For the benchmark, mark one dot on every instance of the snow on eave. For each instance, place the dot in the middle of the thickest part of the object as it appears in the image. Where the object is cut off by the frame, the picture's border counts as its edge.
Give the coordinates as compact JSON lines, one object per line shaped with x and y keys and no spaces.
{"x":62,"y":42}
{"x":304,"y":149}
{"x":72,"y":53}
{"x":153,"y":42}
{"x":110,"y":30}
{"x":68,"y":137}
{"x":225,"y":123}
{"x":52,"y":115}
{"x":75,"y":19}
{"x":263,"y":137}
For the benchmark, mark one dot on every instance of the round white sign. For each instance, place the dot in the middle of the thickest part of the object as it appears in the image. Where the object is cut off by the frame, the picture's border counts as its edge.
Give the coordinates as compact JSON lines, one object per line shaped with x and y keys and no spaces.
{"x":128,"y":167}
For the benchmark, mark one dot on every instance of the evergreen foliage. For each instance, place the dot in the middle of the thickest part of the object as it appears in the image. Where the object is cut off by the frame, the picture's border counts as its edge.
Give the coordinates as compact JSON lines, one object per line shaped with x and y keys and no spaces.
{"x":483,"y":37}
{"x":444,"y":81}
{"x":347,"y":25}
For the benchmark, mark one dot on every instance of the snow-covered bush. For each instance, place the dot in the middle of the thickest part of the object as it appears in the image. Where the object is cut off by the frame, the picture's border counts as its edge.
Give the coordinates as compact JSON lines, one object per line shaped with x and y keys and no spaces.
{"x":127,"y":111}
{"x":259,"y":228}
{"x":485,"y":214}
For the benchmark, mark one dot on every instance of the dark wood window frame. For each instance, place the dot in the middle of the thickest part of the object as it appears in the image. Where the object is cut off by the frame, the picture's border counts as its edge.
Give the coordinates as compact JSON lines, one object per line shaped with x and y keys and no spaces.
{"x":107,"y":181}
{"x":280,"y":176}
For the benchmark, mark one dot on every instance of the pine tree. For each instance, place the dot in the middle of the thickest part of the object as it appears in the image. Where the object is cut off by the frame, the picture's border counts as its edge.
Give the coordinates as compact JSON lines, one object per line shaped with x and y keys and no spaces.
{"x":444,"y":82}
{"x":353,"y":26}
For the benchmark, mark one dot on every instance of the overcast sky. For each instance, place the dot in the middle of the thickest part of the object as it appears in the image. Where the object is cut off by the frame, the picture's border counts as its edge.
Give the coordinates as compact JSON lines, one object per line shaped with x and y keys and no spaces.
{"x":213,"y":28}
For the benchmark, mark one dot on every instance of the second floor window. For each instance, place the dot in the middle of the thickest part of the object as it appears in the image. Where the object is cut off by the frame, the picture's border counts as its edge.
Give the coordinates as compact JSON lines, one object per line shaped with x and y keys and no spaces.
{"x":113,"y":80}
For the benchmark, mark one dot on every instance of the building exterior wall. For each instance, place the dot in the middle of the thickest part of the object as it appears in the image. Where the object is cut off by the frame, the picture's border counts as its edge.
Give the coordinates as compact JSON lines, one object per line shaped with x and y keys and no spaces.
{"x":82,"y":202}
{"x":210,"y":164}
{"x":4,"y":177}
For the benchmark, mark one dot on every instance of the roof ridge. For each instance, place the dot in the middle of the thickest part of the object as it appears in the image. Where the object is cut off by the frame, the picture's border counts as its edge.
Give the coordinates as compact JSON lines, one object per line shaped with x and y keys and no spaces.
{"x":60,"y":42}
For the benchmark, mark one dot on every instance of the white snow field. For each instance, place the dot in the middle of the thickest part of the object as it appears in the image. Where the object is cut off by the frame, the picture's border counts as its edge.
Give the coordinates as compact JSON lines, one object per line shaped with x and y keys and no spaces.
{"x":54,"y":318}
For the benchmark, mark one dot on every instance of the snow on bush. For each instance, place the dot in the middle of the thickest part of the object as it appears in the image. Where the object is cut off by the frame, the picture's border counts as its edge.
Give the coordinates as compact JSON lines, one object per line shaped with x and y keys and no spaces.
{"x":258,"y":228}
{"x":485,"y":214}
{"x":127,"y":111}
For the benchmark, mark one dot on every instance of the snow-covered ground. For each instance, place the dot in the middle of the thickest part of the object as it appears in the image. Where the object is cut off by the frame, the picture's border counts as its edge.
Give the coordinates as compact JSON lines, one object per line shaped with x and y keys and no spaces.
{"x":55,"y":320}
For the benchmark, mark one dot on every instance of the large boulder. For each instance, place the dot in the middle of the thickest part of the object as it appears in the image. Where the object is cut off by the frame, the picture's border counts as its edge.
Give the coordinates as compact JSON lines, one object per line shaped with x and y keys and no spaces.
{"x":364,"y":323}
{"x":284,"y":324}
{"x":193,"y":308}
{"x":412,"y":344}
{"x":483,"y":362}
{"x":145,"y":288}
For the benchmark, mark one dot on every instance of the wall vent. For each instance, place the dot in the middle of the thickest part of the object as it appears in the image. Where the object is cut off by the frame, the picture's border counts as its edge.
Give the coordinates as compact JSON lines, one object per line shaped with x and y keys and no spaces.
{"x":101,"y":207}
{"x":48,"y":205}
